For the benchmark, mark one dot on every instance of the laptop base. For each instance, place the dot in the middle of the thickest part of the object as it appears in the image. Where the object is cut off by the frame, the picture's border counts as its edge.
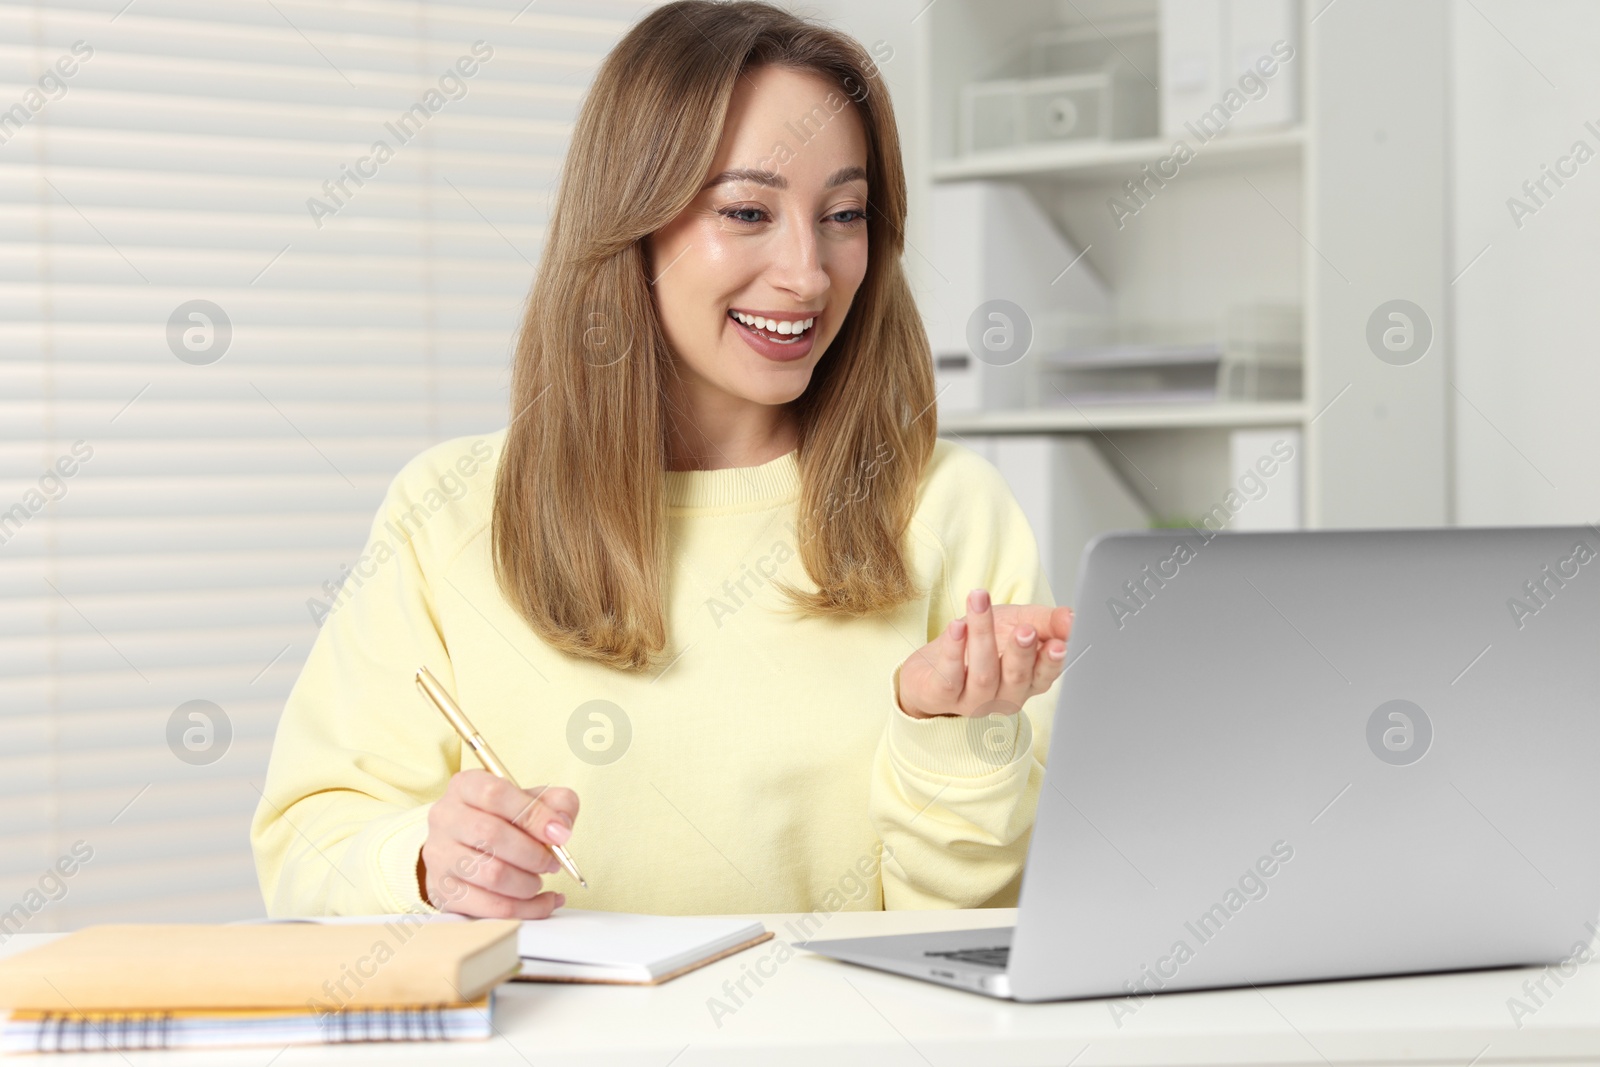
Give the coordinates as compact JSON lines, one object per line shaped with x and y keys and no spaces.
{"x":924,"y":956}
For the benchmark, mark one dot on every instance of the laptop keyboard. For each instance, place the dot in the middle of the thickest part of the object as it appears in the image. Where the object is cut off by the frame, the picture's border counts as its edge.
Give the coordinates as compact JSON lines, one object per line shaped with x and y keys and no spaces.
{"x":983,"y":957}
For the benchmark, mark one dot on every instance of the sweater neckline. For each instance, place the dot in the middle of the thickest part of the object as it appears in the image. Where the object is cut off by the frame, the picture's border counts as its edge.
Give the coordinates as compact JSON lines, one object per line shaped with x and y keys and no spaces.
{"x":771,"y":482}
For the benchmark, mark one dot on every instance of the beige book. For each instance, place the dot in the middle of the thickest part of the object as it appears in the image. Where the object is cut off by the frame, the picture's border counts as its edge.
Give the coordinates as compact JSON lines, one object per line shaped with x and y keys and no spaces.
{"x":323,"y":968}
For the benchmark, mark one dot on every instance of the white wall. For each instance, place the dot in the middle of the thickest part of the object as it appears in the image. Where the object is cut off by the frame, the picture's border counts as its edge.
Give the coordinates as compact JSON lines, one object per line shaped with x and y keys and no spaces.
{"x":1527,"y":434}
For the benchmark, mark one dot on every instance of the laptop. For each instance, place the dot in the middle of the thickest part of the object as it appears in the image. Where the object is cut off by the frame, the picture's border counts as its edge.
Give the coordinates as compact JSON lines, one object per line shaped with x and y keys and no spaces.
{"x":1280,"y":757}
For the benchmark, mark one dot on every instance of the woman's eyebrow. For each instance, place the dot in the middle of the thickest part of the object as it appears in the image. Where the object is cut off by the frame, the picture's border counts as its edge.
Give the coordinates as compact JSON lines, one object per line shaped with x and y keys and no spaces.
{"x":846,"y":174}
{"x":774,"y":180}
{"x":755,"y":175}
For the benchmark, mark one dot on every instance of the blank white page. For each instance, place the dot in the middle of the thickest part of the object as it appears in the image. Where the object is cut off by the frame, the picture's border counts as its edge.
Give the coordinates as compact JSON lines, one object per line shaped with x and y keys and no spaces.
{"x":573,"y":935}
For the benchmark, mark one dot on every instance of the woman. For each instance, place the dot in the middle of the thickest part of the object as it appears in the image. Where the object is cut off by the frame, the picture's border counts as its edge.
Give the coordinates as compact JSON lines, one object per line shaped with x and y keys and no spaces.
{"x":709,"y":577}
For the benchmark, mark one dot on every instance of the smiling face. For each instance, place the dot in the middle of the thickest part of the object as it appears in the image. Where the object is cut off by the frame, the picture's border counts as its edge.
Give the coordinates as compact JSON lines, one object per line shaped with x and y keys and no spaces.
{"x":754,"y":278}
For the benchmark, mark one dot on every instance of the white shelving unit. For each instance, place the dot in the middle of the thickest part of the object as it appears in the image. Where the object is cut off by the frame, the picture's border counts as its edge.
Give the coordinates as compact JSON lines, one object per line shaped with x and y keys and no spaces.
{"x":1095,"y":418}
{"x":1336,"y":214}
{"x":1121,"y":159}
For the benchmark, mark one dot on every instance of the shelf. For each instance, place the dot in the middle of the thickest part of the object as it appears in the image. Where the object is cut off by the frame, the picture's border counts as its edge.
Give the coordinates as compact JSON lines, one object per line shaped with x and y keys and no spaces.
{"x":1122,"y":159}
{"x":1089,"y":418}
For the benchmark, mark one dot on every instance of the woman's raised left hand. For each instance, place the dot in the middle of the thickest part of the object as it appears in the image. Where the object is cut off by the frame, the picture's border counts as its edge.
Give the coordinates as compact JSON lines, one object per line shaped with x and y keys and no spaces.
{"x":989,"y":660}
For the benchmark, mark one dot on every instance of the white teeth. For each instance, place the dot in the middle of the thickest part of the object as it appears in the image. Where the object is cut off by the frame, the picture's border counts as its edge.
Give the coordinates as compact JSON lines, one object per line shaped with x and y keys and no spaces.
{"x":775,"y":326}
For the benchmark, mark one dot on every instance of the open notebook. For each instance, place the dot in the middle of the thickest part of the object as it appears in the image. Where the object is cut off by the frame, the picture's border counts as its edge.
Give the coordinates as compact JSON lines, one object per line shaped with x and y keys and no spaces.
{"x":615,"y":947}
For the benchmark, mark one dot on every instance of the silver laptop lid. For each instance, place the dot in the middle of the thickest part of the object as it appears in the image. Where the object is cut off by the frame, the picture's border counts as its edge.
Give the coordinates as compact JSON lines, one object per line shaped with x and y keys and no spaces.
{"x":1288,"y":756}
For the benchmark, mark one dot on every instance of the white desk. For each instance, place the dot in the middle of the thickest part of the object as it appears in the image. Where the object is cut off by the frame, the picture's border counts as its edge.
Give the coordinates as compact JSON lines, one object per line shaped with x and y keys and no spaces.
{"x":817,"y":1011}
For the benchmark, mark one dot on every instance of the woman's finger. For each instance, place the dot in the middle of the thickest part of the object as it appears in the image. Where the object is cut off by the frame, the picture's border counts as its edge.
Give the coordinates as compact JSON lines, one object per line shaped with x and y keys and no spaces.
{"x":983,"y":657}
{"x":483,"y":832}
{"x":1017,"y":667}
{"x":453,"y":866}
{"x":1061,"y":623}
{"x":488,"y":792}
{"x":531,"y":808}
{"x":549,"y":813}
{"x":950,"y":664}
{"x":1049,"y":622}
{"x":1051,"y":662}
{"x":483,"y":903}
{"x":931,"y":679}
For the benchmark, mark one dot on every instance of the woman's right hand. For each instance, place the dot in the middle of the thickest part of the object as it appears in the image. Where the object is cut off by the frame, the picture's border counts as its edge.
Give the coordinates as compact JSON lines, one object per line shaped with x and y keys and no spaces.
{"x":489,"y":844}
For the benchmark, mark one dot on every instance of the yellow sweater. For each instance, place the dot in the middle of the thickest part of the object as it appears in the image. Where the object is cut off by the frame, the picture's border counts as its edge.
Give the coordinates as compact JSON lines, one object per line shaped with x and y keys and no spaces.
{"x":767,"y":769}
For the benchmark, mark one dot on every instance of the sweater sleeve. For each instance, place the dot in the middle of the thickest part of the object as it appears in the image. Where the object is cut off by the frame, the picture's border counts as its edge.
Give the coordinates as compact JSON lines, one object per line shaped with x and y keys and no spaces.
{"x":359,"y":754}
{"x":953,"y":798}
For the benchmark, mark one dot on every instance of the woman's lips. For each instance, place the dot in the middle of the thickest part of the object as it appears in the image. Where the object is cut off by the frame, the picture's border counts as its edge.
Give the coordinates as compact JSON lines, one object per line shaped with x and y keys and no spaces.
{"x":779,"y":351}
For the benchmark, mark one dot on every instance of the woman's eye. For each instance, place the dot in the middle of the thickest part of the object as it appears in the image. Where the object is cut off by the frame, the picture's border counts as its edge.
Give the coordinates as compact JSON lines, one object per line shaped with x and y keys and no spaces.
{"x":737,"y":214}
{"x":858,"y":216}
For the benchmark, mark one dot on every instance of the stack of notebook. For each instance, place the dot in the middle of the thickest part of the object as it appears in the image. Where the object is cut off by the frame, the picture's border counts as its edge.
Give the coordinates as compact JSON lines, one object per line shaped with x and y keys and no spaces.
{"x":189,"y":986}
{"x":328,"y":980}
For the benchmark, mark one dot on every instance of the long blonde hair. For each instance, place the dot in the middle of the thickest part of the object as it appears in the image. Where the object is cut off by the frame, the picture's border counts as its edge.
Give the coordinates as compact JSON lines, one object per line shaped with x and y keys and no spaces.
{"x":579,"y":514}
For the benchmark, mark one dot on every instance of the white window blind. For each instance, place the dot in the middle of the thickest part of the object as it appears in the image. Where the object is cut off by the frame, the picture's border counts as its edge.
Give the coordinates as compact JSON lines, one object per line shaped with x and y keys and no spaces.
{"x":164,"y":521}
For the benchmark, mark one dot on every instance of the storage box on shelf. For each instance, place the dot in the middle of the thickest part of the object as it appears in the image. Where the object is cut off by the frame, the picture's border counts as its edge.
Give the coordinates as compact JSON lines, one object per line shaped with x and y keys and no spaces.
{"x":1208,"y":46}
{"x":1080,"y":86}
{"x":1253,"y":354}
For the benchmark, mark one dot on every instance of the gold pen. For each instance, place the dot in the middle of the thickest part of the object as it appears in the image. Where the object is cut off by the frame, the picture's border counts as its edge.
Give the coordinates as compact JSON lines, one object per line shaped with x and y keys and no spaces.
{"x":451,"y":710}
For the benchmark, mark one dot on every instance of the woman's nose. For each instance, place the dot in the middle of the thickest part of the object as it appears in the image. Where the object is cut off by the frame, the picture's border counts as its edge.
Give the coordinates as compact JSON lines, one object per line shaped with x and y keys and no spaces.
{"x":797,"y":262}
